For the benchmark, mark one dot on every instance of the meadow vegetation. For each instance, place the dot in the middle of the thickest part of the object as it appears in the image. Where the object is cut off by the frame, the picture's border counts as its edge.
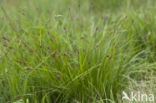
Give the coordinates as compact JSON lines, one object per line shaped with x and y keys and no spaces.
{"x":76,"y":51}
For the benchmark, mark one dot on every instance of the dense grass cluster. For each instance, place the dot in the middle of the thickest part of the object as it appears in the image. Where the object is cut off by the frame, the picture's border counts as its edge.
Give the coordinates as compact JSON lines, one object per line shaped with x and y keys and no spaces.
{"x":76,"y":51}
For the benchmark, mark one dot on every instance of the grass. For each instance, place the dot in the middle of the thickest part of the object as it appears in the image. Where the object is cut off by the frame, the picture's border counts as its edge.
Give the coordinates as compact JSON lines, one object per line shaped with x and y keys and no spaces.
{"x":84,"y":51}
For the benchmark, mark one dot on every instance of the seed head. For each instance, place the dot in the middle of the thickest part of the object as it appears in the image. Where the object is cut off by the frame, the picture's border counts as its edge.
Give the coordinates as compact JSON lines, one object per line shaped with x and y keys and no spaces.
{"x":69,"y":9}
{"x":89,"y":62}
{"x":28,"y":68}
{"x":81,"y":37}
{"x":53,"y":54}
{"x":31,"y":50}
{"x":145,"y":37}
{"x":18,"y":61}
{"x":21,"y":62}
{"x":77,"y":64}
{"x":83,"y":78}
{"x":58,"y":76}
{"x":52,"y":38}
{"x":97,"y":46}
{"x":78,"y":52}
{"x":58,"y":73}
{"x":11,"y":47}
{"x":17,"y":97}
{"x":79,"y":6}
{"x":25,"y":44}
{"x":65,"y":29}
{"x":84,"y":50}
{"x":96,"y":29}
{"x":48,"y":47}
{"x":69,"y":53}
{"x":65,"y":54}
{"x":43,"y":63}
{"x":41,"y":46}
{"x":132,"y":21}
{"x":105,"y":17}
{"x":24,"y":63}
{"x":5,"y":38}
{"x":116,"y":46}
{"x":108,"y":56}
{"x":5,"y":45}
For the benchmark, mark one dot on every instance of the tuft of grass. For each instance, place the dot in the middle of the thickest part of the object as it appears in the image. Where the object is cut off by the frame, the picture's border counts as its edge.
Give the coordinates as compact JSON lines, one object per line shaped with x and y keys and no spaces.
{"x":84,"y":51}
